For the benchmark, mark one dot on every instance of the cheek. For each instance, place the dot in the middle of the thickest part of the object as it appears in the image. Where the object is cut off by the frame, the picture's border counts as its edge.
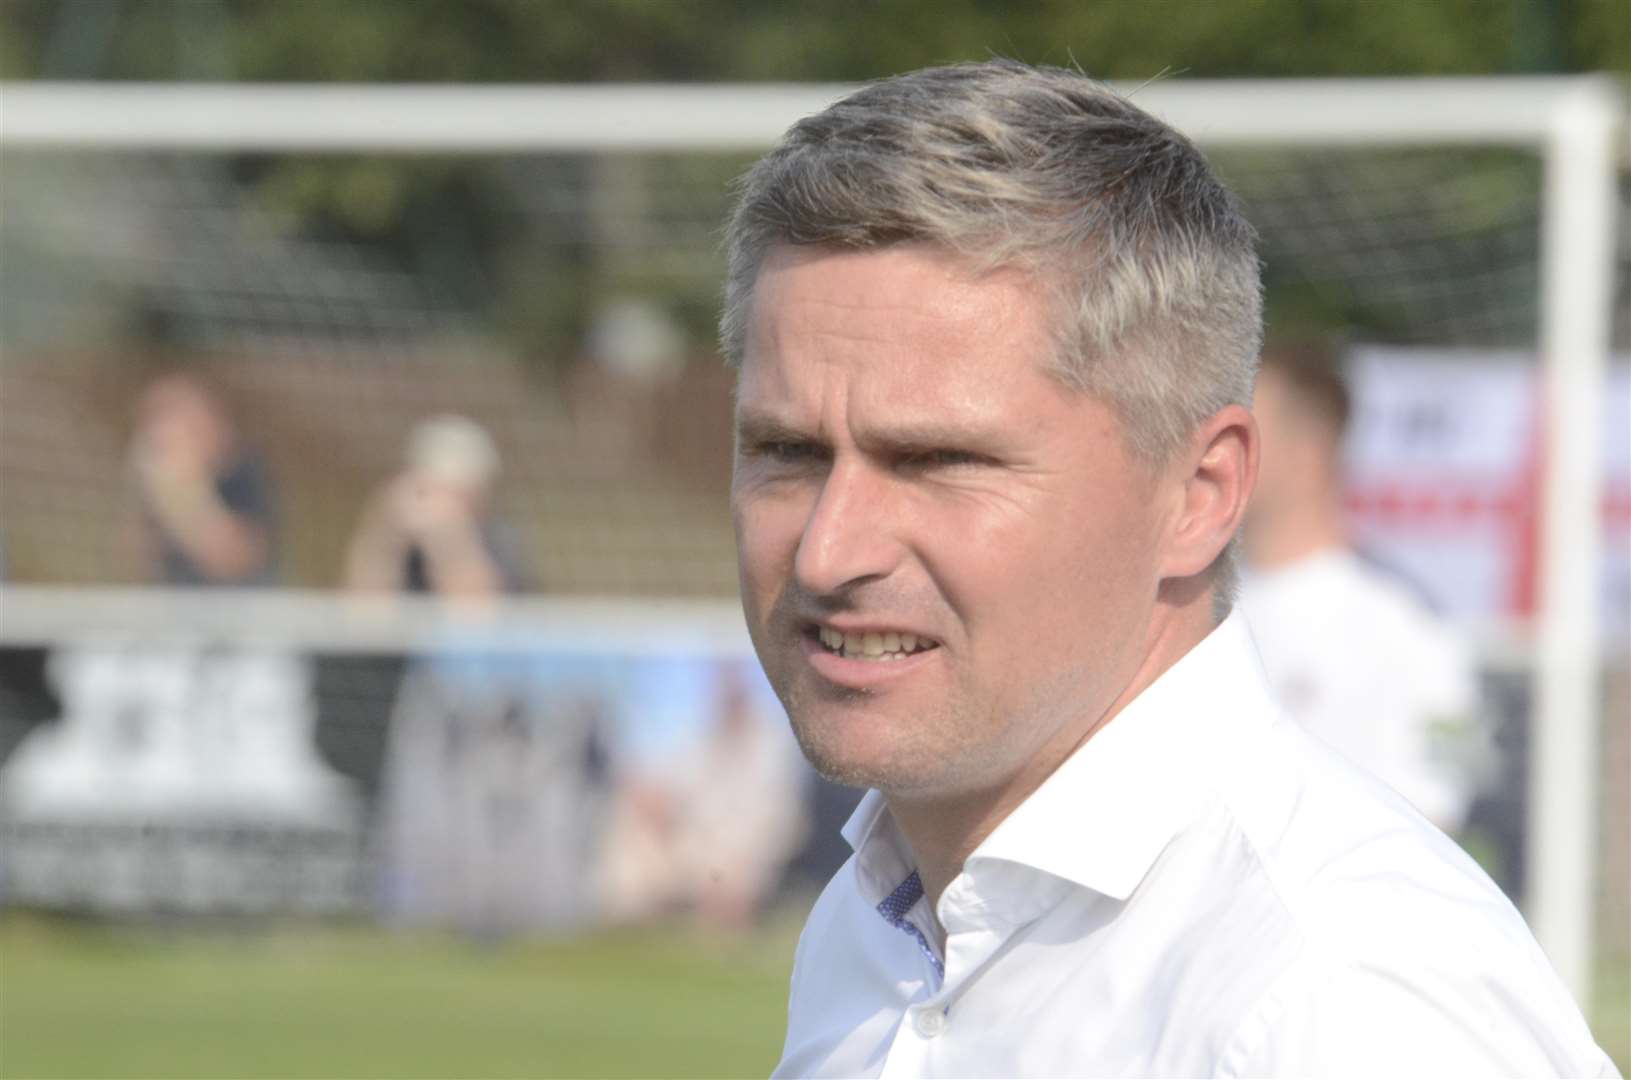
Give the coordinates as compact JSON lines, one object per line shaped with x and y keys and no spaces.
{"x":1053,"y":567}
{"x":1007,"y":567}
{"x":767,"y":537}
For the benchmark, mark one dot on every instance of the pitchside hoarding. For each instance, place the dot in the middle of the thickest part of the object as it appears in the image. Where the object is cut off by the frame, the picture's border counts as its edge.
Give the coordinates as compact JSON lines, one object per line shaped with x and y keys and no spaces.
{"x":1444,"y":472}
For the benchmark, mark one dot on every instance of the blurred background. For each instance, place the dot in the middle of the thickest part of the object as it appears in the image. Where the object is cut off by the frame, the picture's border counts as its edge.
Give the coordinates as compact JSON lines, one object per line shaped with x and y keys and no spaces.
{"x":373,"y":696}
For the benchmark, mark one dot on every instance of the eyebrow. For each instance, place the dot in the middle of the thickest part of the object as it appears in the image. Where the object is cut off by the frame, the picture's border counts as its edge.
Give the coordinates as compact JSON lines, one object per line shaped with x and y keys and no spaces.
{"x":761,"y":427}
{"x":899,"y":438}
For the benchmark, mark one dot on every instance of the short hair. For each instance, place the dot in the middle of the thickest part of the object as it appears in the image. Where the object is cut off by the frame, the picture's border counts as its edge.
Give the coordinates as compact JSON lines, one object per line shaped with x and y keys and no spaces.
{"x":1147,"y":255}
{"x":1312,"y":370}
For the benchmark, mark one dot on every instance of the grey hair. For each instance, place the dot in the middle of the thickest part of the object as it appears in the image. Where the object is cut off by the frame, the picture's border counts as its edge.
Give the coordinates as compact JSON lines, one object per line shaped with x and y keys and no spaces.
{"x":1146,"y":255}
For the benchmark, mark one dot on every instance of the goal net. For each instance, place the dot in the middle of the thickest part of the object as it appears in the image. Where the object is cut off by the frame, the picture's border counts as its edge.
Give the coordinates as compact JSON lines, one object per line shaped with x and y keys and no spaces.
{"x":335,"y":270}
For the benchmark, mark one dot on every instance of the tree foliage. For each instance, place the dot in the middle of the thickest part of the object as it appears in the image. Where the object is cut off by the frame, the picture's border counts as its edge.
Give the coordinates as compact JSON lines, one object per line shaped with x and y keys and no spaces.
{"x":576,"y":40}
{"x":439,"y":220}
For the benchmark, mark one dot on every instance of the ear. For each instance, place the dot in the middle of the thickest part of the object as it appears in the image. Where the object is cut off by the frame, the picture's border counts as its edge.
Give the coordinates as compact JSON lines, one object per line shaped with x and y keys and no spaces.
{"x":1216,"y":476}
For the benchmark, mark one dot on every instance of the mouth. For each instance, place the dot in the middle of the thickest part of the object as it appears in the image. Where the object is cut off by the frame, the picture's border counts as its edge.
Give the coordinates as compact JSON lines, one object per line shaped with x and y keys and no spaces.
{"x":879,"y":645}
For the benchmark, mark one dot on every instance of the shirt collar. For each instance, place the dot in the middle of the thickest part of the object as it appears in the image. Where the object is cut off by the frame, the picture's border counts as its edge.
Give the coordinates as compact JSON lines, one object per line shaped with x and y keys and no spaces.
{"x":863,"y":821}
{"x":1107,"y":812}
{"x":883,"y":859}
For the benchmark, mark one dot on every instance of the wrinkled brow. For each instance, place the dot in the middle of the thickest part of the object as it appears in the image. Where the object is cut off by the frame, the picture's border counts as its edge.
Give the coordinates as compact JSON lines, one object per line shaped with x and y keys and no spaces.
{"x":896,"y":437}
{"x":754,"y":426}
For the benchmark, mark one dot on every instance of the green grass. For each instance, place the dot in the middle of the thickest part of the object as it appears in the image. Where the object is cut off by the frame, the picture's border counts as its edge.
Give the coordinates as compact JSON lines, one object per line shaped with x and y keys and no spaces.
{"x":84,"y":1000}
{"x":91,"y":1000}
{"x":1611,"y":1009}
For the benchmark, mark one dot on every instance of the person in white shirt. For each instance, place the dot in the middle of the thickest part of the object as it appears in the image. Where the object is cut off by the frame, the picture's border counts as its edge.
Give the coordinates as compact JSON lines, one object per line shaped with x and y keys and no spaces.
{"x":1351,"y":653}
{"x":995,"y":330}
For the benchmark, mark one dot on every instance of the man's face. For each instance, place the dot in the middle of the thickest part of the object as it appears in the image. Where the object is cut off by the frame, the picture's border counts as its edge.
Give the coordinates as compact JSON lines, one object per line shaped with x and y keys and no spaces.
{"x":911,"y":485}
{"x":178,"y":421}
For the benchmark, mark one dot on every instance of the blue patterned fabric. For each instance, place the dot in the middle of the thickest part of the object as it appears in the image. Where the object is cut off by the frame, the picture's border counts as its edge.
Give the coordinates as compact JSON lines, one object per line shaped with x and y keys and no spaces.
{"x":894,"y":909}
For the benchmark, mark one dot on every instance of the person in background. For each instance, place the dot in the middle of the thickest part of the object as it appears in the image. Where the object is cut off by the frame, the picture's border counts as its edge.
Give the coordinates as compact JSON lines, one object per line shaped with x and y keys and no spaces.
{"x":484,"y":785}
{"x":1350,"y":651}
{"x":206,"y":497}
{"x":711,"y":830}
{"x":430,"y":529}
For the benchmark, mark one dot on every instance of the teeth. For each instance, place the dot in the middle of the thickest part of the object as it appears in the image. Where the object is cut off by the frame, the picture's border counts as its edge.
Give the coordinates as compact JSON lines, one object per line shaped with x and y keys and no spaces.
{"x":872,"y":645}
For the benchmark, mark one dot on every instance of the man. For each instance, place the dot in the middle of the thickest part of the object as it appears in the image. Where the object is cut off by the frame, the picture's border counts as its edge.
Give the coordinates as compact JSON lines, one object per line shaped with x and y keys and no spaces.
{"x":429,"y":529}
{"x":1351,"y":654}
{"x":206,"y":500}
{"x":996,"y":330}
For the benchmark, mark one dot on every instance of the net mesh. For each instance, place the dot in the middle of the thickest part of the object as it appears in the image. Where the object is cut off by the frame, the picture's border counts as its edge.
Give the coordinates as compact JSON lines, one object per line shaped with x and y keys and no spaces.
{"x":1407,"y":246}
{"x":566,"y":304}
{"x":328,"y":350}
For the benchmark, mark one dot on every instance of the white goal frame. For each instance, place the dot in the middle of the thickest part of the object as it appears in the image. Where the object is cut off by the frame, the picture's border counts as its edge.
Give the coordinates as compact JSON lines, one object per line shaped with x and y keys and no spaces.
{"x":1574,"y":124}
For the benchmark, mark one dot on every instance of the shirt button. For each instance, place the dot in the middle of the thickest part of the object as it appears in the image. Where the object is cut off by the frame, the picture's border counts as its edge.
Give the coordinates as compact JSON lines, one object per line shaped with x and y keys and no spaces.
{"x":929,"y":1022}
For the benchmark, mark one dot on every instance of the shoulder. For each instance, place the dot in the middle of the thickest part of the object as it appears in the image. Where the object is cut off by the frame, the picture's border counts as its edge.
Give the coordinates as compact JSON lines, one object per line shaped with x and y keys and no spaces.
{"x":1408,"y":956}
{"x":1395,"y":605}
{"x":1334,"y":581}
{"x":245,"y":465}
{"x":244,"y":478}
{"x":1338,"y":607}
{"x":1459,"y":1010}
{"x":1349,"y":856}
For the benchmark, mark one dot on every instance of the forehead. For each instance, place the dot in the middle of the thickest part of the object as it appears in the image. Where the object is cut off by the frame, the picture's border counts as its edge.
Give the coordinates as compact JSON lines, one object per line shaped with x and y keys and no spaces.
{"x":924,"y":284}
{"x":896,"y":322}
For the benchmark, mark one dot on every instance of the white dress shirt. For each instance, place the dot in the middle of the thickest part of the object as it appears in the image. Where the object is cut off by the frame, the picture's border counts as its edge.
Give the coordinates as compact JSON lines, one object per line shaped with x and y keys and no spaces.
{"x":1200,"y":890}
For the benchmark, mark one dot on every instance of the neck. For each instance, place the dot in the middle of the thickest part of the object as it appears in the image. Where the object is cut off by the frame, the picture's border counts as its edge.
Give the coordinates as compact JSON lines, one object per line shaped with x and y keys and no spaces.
{"x":944,"y":830}
{"x":1300,"y":528}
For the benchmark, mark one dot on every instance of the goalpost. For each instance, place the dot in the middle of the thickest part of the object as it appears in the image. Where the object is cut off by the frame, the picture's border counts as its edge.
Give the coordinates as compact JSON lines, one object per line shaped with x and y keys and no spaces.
{"x":1573,"y":126}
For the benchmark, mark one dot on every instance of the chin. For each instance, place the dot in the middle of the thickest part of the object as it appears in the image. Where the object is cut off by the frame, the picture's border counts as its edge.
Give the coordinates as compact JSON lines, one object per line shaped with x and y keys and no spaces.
{"x":849,"y":757}
{"x":858,"y":759}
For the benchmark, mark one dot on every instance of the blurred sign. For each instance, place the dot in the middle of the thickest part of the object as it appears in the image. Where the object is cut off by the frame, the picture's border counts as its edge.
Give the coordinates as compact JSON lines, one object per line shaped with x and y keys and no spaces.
{"x":523,"y":786}
{"x":542,"y":789}
{"x":1443,"y":467}
{"x":178,"y":779}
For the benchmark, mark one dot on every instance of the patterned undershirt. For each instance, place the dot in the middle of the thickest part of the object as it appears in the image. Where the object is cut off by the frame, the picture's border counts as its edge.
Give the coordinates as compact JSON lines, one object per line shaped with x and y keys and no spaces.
{"x":894,"y":909}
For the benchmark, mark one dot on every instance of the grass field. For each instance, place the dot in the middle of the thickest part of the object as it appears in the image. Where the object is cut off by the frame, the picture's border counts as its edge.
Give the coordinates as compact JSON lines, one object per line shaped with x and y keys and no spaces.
{"x":1611,"y":1009}
{"x":88,"y":1000}
{"x":84,"y":1000}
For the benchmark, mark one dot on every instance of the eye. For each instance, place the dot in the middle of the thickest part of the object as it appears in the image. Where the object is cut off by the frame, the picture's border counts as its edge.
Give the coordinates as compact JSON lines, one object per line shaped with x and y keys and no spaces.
{"x":941,"y":458}
{"x":787,"y":452}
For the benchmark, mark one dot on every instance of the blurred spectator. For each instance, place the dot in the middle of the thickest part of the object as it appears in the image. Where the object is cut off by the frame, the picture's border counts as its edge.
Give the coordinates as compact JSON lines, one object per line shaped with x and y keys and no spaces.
{"x":715,"y":829}
{"x":206,"y":499}
{"x":492,"y":794}
{"x":429,"y":529}
{"x":1354,"y":656}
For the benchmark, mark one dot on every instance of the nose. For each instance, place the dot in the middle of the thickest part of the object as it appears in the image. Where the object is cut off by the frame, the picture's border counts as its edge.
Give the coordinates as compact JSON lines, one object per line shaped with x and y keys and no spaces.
{"x":849,"y":537}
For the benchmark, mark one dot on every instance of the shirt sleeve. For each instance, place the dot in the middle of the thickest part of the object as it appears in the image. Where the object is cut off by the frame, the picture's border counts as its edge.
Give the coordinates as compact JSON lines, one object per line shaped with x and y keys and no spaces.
{"x":1363,"y":1020}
